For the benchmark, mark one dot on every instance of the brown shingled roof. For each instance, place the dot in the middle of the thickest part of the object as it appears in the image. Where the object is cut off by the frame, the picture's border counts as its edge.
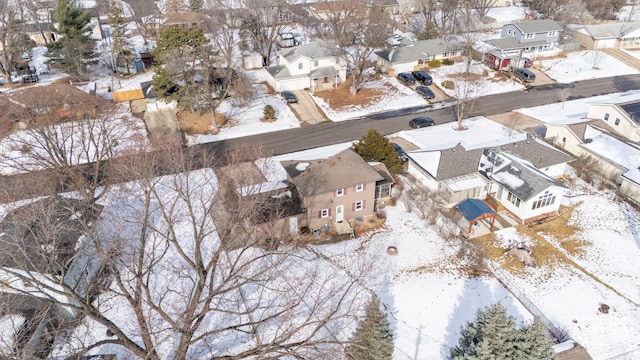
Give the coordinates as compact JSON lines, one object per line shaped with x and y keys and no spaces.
{"x":345,"y":169}
{"x":577,"y":353}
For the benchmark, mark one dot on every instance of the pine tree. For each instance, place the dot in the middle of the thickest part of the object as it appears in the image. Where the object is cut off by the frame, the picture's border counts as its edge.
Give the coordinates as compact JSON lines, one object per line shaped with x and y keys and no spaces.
{"x":269,"y":112}
{"x":121,"y":47}
{"x":74,"y":49}
{"x":373,"y":339}
{"x":375,"y":147}
{"x":493,"y":335}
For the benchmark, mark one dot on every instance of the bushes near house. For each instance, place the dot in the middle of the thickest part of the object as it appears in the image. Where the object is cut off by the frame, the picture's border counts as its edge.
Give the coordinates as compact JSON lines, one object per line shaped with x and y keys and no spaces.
{"x":435,"y":63}
{"x":448,"y":84}
{"x":447,"y":62}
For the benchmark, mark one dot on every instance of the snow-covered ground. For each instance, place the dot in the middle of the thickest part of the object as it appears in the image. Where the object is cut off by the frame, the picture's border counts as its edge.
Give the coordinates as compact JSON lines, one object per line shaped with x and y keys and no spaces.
{"x":393,"y":96}
{"x":580,"y":66}
{"x":245,"y":120}
{"x":507,"y":13}
{"x":486,"y":82}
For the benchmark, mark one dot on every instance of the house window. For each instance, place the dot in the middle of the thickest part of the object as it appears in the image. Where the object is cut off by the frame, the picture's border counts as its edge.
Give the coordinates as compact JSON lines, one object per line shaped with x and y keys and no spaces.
{"x":617,"y":122}
{"x":543,"y":200}
{"x":315,"y":63}
{"x":509,"y":31}
{"x":299,"y":66}
{"x":606,"y":116}
{"x":552,"y":33}
{"x":340,"y":192}
{"x":359,"y":187}
{"x":513,"y":199}
{"x":324,"y":213}
{"x":358,"y":205}
{"x":529,"y":36}
{"x":445,"y":54}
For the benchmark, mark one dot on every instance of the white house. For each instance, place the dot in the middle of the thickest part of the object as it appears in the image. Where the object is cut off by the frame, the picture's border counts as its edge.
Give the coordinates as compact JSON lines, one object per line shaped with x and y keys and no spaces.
{"x":414,"y":55}
{"x":621,"y":35}
{"x":307,"y":67}
{"x":622,"y":114}
{"x":524,"y":191}
{"x":453,"y":172}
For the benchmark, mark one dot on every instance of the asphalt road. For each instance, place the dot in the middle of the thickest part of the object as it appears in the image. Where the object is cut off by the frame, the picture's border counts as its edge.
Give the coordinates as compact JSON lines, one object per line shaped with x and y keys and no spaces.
{"x":306,"y":137}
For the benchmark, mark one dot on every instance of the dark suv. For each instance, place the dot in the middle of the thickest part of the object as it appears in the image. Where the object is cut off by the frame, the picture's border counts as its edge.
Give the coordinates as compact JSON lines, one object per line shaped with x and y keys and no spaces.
{"x":419,"y":122}
{"x":406,"y":78}
{"x":400,"y":151}
{"x":289,"y":97}
{"x":422,"y":77}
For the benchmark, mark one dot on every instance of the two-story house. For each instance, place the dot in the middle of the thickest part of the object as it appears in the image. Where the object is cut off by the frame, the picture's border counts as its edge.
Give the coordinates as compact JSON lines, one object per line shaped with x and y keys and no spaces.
{"x":622,"y":114}
{"x":531,"y":39}
{"x":307,"y":67}
{"x":335,"y":189}
{"x":414,"y":55}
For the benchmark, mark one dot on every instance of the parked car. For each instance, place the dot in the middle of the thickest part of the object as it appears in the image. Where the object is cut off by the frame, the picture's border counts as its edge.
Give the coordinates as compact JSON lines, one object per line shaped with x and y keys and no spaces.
{"x":401,"y":154}
{"x":289,"y":97}
{"x":421,"y":121}
{"x":407,"y":78}
{"x":526,"y":62}
{"x":525,"y":75}
{"x":422,"y":77}
{"x":425,"y":92}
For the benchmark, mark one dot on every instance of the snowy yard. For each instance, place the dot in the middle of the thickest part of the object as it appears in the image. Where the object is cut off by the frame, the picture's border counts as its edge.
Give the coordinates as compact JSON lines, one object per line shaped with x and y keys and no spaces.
{"x":580,"y":66}
{"x":486,"y":81}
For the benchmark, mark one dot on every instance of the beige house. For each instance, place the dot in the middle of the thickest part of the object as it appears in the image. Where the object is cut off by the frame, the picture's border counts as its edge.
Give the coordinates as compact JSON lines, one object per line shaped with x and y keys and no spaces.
{"x":621,"y":114}
{"x":619,"y":35}
{"x":334,"y":190}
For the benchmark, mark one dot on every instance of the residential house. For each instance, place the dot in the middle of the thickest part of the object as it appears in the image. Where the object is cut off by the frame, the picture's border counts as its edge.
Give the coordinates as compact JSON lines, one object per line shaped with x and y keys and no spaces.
{"x":184,"y":20}
{"x":307,"y":67}
{"x":383,"y":186}
{"x":531,"y":39}
{"x":622,"y":114}
{"x":334,"y":190}
{"x":326,"y":10}
{"x":452,"y":172}
{"x":617,"y":35}
{"x":612,"y":156}
{"x":415,"y":55}
{"x":519,"y":187}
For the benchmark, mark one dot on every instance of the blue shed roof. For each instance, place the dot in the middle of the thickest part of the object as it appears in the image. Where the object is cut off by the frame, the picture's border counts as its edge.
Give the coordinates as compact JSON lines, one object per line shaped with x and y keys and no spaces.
{"x":473,"y":208}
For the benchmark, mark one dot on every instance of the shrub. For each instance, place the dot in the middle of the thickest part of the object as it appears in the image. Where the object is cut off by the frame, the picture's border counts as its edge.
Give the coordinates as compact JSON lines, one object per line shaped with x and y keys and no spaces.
{"x":435,"y":63}
{"x":305,"y":230}
{"x":381,"y":214}
{"x":447,"y":62}
{"x":448,"y":84}
{"x":269,"y":112}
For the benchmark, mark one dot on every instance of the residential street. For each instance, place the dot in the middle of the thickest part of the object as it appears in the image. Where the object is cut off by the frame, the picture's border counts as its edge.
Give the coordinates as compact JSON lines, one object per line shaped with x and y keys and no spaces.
{"x":327,"y":133}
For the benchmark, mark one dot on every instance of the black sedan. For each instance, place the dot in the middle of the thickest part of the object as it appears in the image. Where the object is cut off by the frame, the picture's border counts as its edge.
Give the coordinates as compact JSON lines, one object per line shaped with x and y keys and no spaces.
{"x":425,"y":92}
{"x":289,"y":97}
{"x":407,"y":78}
{"x":419,"y":122}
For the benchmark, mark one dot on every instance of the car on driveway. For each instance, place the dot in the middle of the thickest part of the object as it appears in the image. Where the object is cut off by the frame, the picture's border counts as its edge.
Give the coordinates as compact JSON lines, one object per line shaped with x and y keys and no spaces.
{"x":422,"y":77}
{"x":400,"y":151}
{"x":407,"y":78}
{"x":420,"y":122}
{"x":425,"y":92}
{"x":289,"y":97}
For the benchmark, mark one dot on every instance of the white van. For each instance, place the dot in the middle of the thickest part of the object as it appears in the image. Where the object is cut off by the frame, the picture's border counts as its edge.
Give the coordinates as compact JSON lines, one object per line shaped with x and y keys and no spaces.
{"x":524,"y":74}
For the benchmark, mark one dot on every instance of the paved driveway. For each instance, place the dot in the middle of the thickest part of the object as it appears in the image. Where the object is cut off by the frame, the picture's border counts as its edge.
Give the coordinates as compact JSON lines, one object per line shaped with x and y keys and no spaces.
{"x":306,"y":109}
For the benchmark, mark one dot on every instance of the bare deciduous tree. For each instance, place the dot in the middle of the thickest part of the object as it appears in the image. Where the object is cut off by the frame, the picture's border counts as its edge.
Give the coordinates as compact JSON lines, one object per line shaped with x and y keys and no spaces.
{"x":13,"y":39}
{"x":596,"y":58}
{"x":144,"y":14}
{"x":262,"y":22}
{"x":482,"y":7}
{"x":191,"y":276}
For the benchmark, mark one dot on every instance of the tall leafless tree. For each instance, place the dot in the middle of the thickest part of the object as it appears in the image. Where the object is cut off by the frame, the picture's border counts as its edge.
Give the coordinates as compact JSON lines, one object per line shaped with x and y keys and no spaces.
{"x":13,"y":39}
{"x":262,"y":21}
{"x":191,"y":277}
{"x":482,"y":7}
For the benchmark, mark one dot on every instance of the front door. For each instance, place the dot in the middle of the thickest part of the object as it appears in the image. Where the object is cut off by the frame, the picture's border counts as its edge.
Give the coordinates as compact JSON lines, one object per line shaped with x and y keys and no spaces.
{"x":339,"y":213}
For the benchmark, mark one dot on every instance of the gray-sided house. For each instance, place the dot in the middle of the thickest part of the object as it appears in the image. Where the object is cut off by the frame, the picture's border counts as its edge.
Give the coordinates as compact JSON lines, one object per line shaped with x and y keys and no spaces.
{"x":307,"y":67}
{"x":415,"y":55}
{"x":453,"y":172}
{"x":620,"y":113}
{"x":527,"y":38}
{"x":617,"y":35}
{"x":334,"y":190}
{"x":520,"y":188}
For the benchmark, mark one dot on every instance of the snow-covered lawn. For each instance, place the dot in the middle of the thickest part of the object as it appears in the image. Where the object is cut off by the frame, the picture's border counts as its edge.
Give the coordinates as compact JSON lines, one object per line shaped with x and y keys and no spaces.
{"x":245,"y":120}
{"x":394,"y":96}
{"x":507,"y":13}
{"x":580,"y":66}
{"x":487,"y":81}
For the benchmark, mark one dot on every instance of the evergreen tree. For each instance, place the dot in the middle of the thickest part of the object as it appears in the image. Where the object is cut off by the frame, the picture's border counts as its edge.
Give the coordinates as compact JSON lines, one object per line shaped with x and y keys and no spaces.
{"x":375,"y":147}
{"x":269,"y":112}
{"x":74,"y":49}
{"x":121,"y":47}
{"x":493,"y":335}
{"x":373,"y":339}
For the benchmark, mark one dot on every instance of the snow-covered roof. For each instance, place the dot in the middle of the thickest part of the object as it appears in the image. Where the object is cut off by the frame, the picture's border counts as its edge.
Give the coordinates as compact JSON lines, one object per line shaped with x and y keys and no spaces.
{"x":609,"y":31}
{"x":417,"y":50}
{"x":615,"y":150}
{"x":312,"y":51}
